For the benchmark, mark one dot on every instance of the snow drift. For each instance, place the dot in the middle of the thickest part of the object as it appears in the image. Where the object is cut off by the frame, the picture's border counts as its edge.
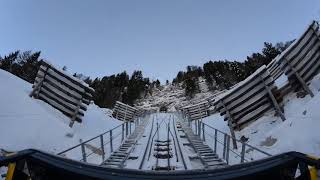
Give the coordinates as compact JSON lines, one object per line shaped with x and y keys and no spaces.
{"x":30,"y":123}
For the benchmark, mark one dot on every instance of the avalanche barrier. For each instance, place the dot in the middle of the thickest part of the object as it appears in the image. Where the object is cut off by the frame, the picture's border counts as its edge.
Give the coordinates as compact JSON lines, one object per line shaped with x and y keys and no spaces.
{"x":36,"y":164}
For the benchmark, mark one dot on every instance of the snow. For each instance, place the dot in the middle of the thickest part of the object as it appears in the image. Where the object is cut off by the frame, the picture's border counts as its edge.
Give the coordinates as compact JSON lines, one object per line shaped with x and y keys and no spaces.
{"x":299,"y":132}
{"x":281,"y":81}
{"x":31,"y":123}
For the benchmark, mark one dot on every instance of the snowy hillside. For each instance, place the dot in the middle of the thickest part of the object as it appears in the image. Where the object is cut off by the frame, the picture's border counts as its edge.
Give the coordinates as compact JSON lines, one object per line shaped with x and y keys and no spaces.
{"x":299,"y":132}
{"x":173,"y":96}
{"x":30,"y":123}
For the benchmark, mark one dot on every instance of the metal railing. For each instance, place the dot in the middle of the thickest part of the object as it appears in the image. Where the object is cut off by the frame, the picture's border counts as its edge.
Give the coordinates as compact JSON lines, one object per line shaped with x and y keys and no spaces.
{"x":220,"y":142}
{"x":100,"y":147}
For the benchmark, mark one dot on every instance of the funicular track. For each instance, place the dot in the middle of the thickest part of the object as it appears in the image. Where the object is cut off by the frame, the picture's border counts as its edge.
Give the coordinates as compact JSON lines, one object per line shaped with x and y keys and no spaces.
{"x":163,"y":151}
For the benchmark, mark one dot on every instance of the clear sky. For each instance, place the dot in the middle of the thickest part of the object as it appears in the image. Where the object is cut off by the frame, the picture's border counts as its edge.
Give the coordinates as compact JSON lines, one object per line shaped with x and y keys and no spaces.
{"x":103,"y":37}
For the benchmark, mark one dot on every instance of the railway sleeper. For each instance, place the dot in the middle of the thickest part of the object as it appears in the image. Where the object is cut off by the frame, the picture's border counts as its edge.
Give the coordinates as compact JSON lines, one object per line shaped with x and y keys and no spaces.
{"x":165,"y":141}
{"x":163,"y":168}
{"x":162,"y":149}
{"x":159,"y":144}
{"x":163,"y":156}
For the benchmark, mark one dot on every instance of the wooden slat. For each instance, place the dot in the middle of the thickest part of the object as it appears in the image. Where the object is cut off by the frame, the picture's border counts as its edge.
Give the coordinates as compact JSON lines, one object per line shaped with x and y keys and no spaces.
{"x":70,"y":78}
{"x":312,"y":70}
{"x":53,"y":97}
{"x":257,"y":113}
{"x":58,"y":106}
{"x":261,"y":102}
{"x":65,"y":89}
{"x":67,"y":82}
{"x":306,"y":64}
{"x":304,"y":60}
{"x":62,"y":100}
{"x":63,"y":96}
{"x":248,"y":85}
{"x":246,"y":99}
{"x":62,"y":91}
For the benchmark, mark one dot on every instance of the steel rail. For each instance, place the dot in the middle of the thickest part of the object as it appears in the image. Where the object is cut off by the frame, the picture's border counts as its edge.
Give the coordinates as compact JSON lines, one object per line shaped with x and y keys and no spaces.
{"x":179,"y":147}
{"x":146,"y":149}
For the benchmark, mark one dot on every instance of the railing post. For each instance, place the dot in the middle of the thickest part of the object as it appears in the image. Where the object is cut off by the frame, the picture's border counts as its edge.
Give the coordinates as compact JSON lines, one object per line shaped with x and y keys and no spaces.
{"x":111,"y":147}
{"x":243,"y":149}
{"x":224,"y":145}
{"x":215,"y":140}
{"x":228,"y":149}
{"x":102,"y":147}
{"x":195,"y":127}
{"x":127,"y":128}
{"x":83,"y":150}
{"x":130,"y":126}
{"x":203,"y":136}
{"x":199,"y":126}
{"x":122,"y":137}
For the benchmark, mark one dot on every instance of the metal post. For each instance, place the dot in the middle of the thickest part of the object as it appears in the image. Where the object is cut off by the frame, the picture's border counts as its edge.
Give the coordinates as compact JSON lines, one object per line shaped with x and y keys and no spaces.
{"x":215,"y":140}
{"x":122,"y":137}
{"x":243,"y":149}
{"x":102,"y":147}
{"x":195,"y":127}
{"x":203,"y":136}
{"x":228,"y":149}
{"x":199,"y":126}
{"x":125,"y":114}
{"x":127,"y":128}
{"x":83,"y":150}
{"x":230,"y":125}
{"x":224,"y":145}
{"x":130,"y":126}
{"x":111,"y":147}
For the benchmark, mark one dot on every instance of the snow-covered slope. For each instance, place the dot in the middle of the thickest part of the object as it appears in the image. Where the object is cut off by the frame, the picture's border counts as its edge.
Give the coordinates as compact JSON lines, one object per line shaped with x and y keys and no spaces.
{"x":30,"y":123}
{"x":300,"y":131}
{"x":173,"y":96}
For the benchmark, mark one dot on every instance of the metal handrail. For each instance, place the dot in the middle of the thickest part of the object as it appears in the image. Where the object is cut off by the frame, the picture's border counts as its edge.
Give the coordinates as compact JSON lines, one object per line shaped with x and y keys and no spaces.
{"x":246,"y":144}
{"x":78,"y":145}
{"x":238,"y":155}
{"x":114,"y":137}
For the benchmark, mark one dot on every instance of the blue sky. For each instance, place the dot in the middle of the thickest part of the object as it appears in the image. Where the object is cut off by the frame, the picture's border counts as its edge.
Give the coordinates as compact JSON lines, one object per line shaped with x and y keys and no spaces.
{"x":103,"y":37}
